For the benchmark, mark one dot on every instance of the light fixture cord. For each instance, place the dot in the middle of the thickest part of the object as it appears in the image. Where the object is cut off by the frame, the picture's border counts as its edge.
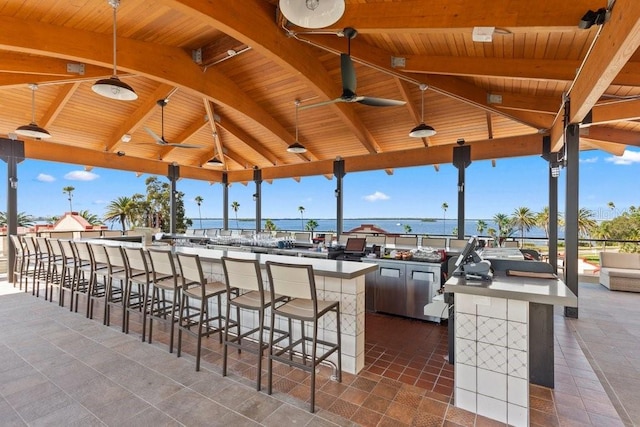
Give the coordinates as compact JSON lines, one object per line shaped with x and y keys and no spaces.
{"x":297,"y":104}
{"x":33,"y":102}
{"x":422,"y":90}
{"x":114,"y":4}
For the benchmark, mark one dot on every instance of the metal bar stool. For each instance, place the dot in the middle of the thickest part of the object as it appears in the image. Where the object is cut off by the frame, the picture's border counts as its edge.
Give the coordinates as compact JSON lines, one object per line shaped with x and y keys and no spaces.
{"x":117,"y":280}
{"x":164,"y":298}
{"x":19,"y":261}
{"x":198,"y":317}
{"x":56,"y":264}
{"x":70,"y":271}
{"x":245,"y":291}
{"x":135,"y":298}
{"x":85,"y":274}
{"x":100,"y":269}
{"x":43,"y":264}
{"x":296,"y":282}
{"x":31,"y":263}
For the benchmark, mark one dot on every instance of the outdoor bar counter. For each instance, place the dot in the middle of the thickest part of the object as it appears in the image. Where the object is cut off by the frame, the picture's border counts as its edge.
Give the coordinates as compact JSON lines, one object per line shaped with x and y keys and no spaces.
{"x":335,"y":280}
{"x":503,"y":340}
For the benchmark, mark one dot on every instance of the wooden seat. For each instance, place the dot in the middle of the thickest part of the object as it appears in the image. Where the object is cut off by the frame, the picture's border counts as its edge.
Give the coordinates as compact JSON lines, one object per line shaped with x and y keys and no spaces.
{"x":296,"y":283}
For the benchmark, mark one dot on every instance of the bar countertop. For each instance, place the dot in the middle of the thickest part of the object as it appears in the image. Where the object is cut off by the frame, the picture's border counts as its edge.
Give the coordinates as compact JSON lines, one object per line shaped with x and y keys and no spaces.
{"x":532,"y":289}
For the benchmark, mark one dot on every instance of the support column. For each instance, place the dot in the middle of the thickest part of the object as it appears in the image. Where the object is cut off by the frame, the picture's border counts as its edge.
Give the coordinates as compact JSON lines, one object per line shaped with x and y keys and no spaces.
{"x":339,"y":173}
{"x":554,"y":173}
{"x":173,"y":175}
{"x":461,"y":160}
{"x":225,"y":201}
{"x":572,"y":138}
{"x":257,"y":178}
{"x":11,"y":152}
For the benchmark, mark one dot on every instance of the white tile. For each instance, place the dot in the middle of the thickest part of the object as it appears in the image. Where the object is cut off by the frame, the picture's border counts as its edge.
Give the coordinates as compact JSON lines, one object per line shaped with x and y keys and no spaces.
{"x":349,"y":286}
{"x":517,"y":416}
{"x":492,"y":384}
{"x":464,"y":304}
{"x":517,"y":335}
{"x":517,"y":391}
{"x":518,"y":363}
{"x":466,"y":352}
{"x":348,"y":342}
{"x":360,"y":285}
{"x":332,"y":284}
{"x":465,"y":376}
{"x":497,"y":308}
{"x":465,"y":399}
{"x":466,"y":326}
{"x":349,"y":364}
{"x":492,"y":331}
{"x":492,"y":408}
{"x":492,"y":358}
{"x":518,"y":311}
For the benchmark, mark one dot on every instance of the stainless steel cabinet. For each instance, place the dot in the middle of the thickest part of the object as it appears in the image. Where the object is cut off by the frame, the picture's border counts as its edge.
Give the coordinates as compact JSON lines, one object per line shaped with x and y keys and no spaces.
{"x":402,"y":288}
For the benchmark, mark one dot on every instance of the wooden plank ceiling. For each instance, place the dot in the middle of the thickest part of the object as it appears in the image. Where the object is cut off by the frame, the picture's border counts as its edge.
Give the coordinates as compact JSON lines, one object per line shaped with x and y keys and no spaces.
{"x":238,"y":101}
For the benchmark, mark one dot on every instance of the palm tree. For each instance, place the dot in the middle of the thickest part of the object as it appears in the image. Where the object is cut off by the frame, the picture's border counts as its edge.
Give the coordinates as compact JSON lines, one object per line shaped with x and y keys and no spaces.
{"x":407,"y":228}
{"x":311,"y":225}
{"x":92,"y":219}
{"x":444,"y":207}
{"x":301,"y":209}
{"x":504,"y":226}
{"x":481,"y":225}
{"x":22,"y":219}
{"x":199,"y":201}
{"x":269,"y":225}
{"x":586,"y":223}
{"x":235,"y":206}
{"x":120,"y":210}
{"x":611,"y":206}
{"x":69,"y":191}
{"x":523,"y":218}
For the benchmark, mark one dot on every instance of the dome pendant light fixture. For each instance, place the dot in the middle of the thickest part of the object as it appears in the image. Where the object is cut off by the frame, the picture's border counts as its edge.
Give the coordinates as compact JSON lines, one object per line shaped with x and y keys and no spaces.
{"x":215,"y":161}
{"x":422,"y":130}
{"x":32,"y":130}
{"x":113,"y":87}
{"x":312,"y":13}
{"x":296,"y":147}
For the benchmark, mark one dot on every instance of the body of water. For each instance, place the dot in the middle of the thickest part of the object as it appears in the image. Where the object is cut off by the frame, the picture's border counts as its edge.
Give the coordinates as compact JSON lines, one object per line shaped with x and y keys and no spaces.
{"x":436,"y":227}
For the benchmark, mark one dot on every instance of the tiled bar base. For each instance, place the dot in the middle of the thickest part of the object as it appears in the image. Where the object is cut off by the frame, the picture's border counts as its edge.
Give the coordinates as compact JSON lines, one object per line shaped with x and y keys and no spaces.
{"x":492,"y":363}
{"x":350,"y":293}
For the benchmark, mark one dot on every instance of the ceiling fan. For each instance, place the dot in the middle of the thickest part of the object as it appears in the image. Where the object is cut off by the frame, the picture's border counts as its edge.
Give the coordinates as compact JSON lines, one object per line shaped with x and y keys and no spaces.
{"x":160,"y":139}
{"x":348,"y":74}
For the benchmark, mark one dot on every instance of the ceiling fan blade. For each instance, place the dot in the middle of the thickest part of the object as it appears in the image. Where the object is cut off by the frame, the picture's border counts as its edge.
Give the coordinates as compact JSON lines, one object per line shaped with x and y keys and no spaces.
{"x":379,"y":102}
{"x":177,"y":145}
{"x":348,"y":75}
{"x":320,"y":104}
{"x":155,"y":136}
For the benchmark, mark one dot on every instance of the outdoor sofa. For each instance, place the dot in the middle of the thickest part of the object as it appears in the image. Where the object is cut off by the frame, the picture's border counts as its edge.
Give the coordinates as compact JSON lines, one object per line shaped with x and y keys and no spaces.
{"x":620,"y":271}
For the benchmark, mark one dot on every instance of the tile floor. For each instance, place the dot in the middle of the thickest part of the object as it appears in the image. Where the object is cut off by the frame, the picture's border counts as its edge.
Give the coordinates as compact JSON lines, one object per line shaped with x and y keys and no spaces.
{"x":60,"y":368}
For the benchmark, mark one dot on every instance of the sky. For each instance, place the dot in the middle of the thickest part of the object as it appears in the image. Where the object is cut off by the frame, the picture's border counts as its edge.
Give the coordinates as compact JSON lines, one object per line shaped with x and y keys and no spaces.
{"x":416,"y":192}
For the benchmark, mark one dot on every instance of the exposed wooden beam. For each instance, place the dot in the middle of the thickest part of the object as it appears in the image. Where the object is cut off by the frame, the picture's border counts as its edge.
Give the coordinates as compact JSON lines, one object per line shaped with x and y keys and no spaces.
{"x":217,"y":144}
{"x":166,"y":64}
{"x":259,"y":30}
{"x":525,"y":145}
{"x":532,"y":103}
{"x":19,"y":63}
{"x":609,"y":147}
{"x":64,"y":94}
{"x":610,"y":134}
{"x":228,"y":125}
{"x":183,"y":137}
{"x":415,"y":16}
{"x":614,"y":111}
{"x":617,"y":42}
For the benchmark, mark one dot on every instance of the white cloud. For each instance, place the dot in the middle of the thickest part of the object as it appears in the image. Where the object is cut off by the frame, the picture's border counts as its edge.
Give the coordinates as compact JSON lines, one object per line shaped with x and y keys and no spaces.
{"x":81,"y":176}
{"x":627,"y":158}
{"x":589,"y":160}
{"x":43,"y":177}
{"x":99,"y":202}
{"x":378,"y":195}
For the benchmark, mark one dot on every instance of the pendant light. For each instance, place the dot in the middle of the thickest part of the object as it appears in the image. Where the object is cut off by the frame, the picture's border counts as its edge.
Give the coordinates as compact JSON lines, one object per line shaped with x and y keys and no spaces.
{"x":113,"y":87}
{"x":422,"y":130}
{"x":215,"y":161}
{"x":32,"y":130}
{"x":312,"y":13}
{"x":296,"y":147}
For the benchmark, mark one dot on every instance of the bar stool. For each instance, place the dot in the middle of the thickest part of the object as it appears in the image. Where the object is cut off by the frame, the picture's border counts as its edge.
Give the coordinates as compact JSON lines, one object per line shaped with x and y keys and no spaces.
{"x":85,"y":274}
{"x":140,"y":278}
{"x":245,"y":290}
{"x":43,"y":264}
{"x":296,"y":282}
{"x":164,"y":298}
{"x":56,"y":265}
{"x":19,"y":260}
{"x":30,"y":272}
{"x":117,"y":279}
{"x":196,"y":287}
{"x":100,"y":269}
{"x":69,"y":271}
